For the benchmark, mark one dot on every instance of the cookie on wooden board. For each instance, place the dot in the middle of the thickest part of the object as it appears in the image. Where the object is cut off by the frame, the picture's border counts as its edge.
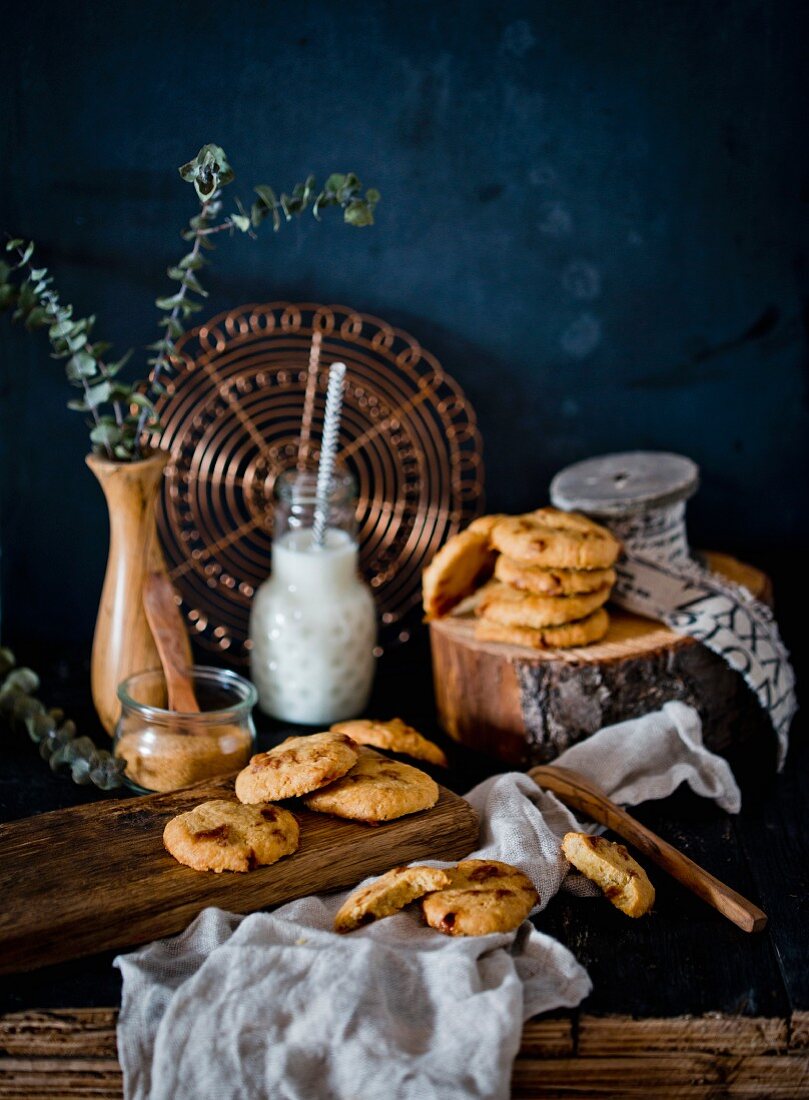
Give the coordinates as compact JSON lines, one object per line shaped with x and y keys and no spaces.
{"x":551,"y":582}
{"x":394,"y":736}
{"x":611,"y":867}
{"x":387,"y":895}
{"x":568,"y":635}
{"x":512,"y":607}
{"x":376,"y":789}
{"x":299,"y":765}
{"x":552,"y":539}
{"x":462,"y":564}
{"x":228,"y":836}
{"x":484,"y":895}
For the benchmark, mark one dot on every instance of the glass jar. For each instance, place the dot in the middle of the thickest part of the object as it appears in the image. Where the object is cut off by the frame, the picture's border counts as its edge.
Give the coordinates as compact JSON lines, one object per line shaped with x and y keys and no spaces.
{"x":313,"y":622}
{"x":165,"y":750}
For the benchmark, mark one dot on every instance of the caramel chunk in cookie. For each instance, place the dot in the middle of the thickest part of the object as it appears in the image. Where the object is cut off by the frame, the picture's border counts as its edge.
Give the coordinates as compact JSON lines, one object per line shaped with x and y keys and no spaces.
{"x":387,"y":895}
{"x":550,"y":538}
{"x":483,"y":896}
{"x":551,"y":582}
{"x":394,"y":736}
{"x":611,"y":867}
{"x":584,"y":632}
{"x":299,"y":765}
{"x":512,"y":607}
{"x":227,"y":836}
{"x":376,"y":789}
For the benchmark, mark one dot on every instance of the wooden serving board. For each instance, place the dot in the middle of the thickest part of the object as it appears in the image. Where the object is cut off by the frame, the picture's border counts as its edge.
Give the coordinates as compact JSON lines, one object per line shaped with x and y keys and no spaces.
{"x":92,"y":878}
{"x":526,"y":705}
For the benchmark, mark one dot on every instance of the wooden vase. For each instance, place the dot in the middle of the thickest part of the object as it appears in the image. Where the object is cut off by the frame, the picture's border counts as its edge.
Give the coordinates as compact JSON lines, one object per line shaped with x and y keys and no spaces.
{"x":123,"y":642}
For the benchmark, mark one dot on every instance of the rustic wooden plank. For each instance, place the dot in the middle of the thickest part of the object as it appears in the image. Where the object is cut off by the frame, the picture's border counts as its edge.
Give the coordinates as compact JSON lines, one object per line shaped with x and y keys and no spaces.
{"x":71,"y":1054}
{"x":547,"y":1037}
{"x":60,"y":1079}
{"x":756,"y":1077}
{"x":90,"y":1032}
{"x":799,"y":1031}
{"x":664,"y":1077}
{"x":602,"y":1036}
{"x":63,"y":1033}
{"x":96,"y":877}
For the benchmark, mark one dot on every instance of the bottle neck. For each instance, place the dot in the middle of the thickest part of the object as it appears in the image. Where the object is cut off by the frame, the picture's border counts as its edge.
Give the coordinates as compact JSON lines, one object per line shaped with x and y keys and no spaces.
{"x":302,"y":566}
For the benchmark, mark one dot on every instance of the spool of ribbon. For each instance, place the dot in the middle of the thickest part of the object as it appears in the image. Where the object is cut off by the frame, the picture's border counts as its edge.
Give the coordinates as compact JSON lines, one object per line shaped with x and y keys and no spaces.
{"x":641,"y":497}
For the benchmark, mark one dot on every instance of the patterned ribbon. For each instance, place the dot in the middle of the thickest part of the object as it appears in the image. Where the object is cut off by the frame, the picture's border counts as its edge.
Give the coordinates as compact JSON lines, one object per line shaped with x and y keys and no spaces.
{"x":659,"y":578}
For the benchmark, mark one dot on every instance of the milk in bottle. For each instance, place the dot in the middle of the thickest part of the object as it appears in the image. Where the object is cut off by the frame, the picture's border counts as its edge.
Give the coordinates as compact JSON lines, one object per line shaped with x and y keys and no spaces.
{"x":313,"y":622}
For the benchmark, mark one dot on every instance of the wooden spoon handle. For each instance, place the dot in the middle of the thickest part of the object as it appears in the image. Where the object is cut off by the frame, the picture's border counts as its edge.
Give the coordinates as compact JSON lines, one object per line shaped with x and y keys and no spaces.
{"x":598,"y":807}
{"x":168,"y":630}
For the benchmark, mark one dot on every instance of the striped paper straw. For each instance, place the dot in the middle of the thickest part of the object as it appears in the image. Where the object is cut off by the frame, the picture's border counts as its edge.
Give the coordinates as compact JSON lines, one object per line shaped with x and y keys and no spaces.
{"x":328,"y":451}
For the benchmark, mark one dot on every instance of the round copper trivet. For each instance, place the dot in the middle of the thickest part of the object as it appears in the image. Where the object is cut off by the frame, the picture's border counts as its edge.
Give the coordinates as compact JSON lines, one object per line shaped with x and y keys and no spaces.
{"x":232,"y":422}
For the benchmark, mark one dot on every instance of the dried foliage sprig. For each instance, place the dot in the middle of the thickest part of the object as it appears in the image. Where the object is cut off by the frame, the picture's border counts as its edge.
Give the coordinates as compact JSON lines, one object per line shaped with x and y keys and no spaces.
{"x":55,"y":735}
{"x":38,"y":306}
{"x":123,"y":415}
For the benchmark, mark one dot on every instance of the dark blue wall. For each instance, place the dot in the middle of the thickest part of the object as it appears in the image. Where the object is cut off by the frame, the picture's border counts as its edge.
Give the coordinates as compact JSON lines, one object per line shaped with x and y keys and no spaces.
{"x":593,"y":213}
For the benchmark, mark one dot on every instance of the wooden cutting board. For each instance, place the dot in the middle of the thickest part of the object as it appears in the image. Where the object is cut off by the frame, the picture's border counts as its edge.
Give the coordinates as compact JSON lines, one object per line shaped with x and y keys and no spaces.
{"x":96,"y":877}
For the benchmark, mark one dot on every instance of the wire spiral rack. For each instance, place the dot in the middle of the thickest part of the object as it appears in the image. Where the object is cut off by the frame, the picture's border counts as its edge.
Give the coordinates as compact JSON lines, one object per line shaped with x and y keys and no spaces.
{"x":232,"y":417}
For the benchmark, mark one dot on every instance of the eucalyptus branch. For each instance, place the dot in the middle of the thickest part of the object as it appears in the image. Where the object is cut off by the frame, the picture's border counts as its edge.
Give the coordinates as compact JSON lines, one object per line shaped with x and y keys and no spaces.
{"x":56,"y":736}
{"x":180,"y":305}
{"x":122,"y":412}
{"x":38,"y":306}
{"x":210,"y":172}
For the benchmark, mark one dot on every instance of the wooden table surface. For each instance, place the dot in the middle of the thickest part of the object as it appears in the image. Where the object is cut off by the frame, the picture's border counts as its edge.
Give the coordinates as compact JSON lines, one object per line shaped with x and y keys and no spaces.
{"x":684,"y":1004}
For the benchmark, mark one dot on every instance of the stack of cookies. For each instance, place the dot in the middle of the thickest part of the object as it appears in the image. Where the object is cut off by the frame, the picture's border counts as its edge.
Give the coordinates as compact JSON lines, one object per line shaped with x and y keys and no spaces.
{"x":546,"y":576}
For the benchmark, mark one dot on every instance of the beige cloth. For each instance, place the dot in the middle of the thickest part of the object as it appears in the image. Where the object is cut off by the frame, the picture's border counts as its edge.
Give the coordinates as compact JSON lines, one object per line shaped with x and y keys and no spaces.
{"x":277,"y":1006}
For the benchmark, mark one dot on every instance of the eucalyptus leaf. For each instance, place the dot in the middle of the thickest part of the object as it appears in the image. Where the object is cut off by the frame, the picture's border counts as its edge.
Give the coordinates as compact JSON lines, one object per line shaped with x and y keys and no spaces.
{"x":358,"y":213}
{"x":21,"y":679}
{"x":97,"y":395}
{"x":190,"y":280}
{"x":60,"y":329}
{"x":266,"y":194}
{"x":192,"y":262}
{"x":81,"y":365}
{"x":36,"y":318}
{"x":106,"y":435}
{"x":169,"y":303}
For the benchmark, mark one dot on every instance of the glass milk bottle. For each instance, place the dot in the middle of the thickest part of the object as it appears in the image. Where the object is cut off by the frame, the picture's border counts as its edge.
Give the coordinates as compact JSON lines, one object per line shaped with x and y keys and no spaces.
{"x":313,"y":622}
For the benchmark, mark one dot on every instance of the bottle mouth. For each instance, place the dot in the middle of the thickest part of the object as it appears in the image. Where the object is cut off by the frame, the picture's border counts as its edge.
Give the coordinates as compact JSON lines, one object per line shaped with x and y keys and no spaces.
{"x":299,"y":487}
{"x":223,"y":696}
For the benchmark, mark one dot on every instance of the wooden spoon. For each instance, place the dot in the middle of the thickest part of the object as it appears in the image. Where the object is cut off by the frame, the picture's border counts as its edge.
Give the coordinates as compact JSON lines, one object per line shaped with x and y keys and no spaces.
{"x":581,"y":794}
{"x":168,"y":630}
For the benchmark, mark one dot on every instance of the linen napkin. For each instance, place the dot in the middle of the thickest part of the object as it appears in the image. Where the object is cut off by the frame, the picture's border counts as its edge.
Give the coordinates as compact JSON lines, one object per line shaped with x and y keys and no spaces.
{"x":276,"y":1005}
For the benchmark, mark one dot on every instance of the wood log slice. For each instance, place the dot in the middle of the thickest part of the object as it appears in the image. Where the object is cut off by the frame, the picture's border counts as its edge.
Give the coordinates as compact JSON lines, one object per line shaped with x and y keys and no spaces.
{"x":525,"y":706}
